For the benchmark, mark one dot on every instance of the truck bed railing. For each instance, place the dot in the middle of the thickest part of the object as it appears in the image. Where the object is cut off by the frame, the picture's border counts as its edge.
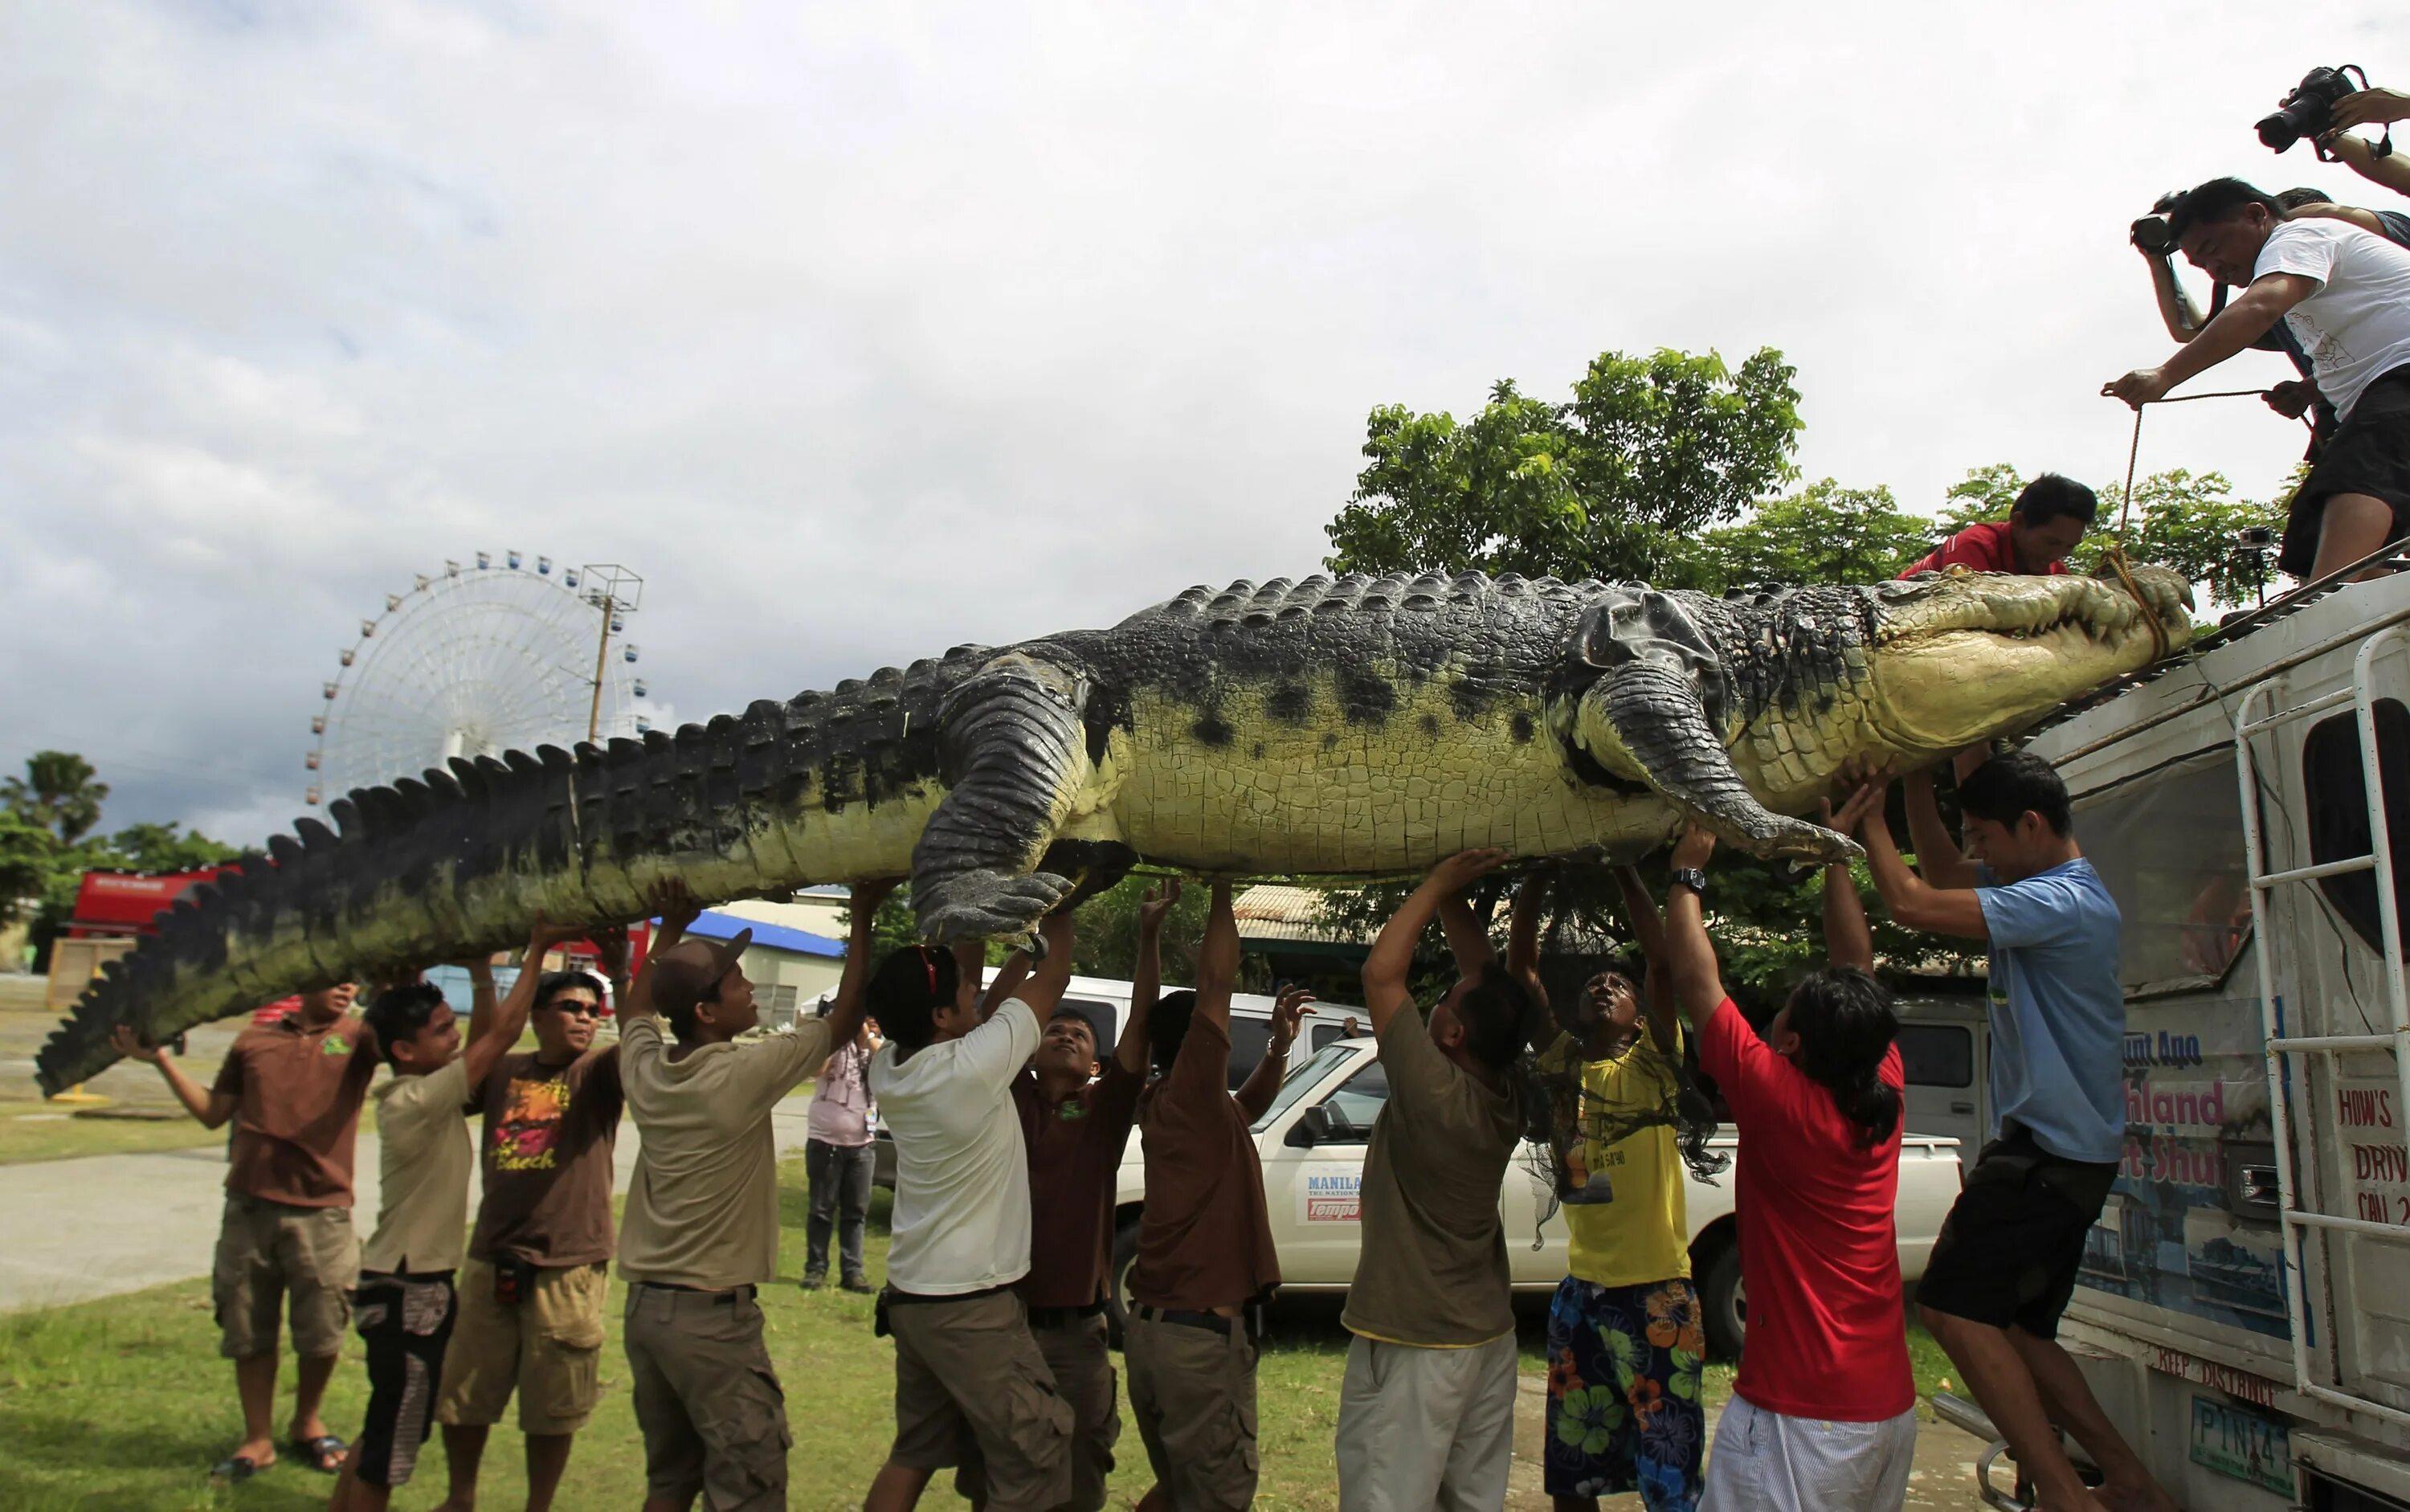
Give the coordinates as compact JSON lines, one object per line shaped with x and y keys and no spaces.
{"x":2298,"y":1223}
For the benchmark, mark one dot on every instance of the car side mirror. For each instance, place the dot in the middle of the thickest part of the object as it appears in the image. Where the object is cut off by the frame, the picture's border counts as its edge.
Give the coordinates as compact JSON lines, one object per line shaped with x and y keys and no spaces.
{"x":1313,"y":1128}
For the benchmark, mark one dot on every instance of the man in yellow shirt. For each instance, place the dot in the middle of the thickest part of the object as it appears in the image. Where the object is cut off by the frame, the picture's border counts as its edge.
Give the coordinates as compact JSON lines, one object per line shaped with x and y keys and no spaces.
{"x":1625,"y":1339}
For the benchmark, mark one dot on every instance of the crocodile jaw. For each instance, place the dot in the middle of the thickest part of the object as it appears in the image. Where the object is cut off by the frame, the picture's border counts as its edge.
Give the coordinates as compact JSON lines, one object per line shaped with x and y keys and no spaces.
{"x":1967,"y":657}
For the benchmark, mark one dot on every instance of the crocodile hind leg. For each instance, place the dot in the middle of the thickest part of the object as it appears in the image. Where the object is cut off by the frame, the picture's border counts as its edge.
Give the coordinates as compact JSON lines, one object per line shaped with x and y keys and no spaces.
{"x":1013,"y":755}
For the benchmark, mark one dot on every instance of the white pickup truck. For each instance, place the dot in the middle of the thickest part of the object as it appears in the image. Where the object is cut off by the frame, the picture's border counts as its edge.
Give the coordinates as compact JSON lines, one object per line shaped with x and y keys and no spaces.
{"x":1313,"y":1140}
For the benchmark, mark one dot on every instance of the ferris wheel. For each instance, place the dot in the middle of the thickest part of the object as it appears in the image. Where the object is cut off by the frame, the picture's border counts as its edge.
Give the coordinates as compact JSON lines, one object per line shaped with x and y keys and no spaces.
{"x":476,"y":660}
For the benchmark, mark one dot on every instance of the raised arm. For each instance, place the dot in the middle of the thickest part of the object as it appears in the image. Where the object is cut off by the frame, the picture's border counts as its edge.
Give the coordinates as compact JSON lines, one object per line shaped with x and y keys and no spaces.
{"x":1263,"y":1084}
{"x":1466,"y":940}
{"x":2182,"y":318}
{"x":481,"y":995}
{"x":861,"y":938}
{"x":1391,"y":959}
{"x":1913,"y":901}
{"x":675,"y":908}
{"x":1936,"y":853}
{"x":1146,"y":977}
{"x":1847,"y":939}
{"x":490,"y":1041}
{"x":2392,"y":170}
{"x":212,"y":1108}
{"x":1217,"y":961}
{"x":1046,"y":980}
{"x":1657,"y":993}
{"x":1689,"y":957}
{"x":1523,"y":931}
{"x":2243,"y":321}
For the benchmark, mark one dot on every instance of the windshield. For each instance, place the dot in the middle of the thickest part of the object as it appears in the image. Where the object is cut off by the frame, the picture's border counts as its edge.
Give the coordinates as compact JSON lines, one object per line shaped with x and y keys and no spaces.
{"x":1304,"y":1078}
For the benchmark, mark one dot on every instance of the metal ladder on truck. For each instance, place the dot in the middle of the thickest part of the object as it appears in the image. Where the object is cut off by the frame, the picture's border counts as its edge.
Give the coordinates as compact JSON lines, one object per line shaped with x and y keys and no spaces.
{"x":2300,"y":1224}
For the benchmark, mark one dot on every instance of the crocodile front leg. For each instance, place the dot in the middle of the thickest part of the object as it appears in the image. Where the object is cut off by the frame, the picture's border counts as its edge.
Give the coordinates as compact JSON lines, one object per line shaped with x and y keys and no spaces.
{"x":1013,"y":756}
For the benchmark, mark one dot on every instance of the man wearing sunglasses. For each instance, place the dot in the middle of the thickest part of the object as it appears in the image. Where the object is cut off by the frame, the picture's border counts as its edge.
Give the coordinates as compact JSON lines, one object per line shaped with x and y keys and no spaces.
{"x":531,"y":1293}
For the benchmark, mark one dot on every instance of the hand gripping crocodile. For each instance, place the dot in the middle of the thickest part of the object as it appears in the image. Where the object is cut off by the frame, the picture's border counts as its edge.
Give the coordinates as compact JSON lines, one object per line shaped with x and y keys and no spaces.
{"x":1348,"y":728}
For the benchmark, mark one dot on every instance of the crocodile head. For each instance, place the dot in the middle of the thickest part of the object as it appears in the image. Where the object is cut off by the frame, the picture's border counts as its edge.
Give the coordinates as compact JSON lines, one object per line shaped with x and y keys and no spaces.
{"x":1741,"y":713}
{"x":1964,"y":657}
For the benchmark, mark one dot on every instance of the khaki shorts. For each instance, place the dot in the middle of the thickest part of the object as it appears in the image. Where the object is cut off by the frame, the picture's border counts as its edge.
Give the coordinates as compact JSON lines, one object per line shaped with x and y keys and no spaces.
{"x":707,"y":1399}
{"x":545,"y":1348}
{"x":968,"y":1374}
{"x":1193,"y":1392}
{"x":269,"y":1252}
{"x":1079,"y":1355}
{"x":1427,"y":1428}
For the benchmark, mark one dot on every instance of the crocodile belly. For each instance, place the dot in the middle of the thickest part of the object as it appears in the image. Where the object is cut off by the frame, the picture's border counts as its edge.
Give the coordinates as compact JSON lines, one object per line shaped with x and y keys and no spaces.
{"x":1243,"y":793}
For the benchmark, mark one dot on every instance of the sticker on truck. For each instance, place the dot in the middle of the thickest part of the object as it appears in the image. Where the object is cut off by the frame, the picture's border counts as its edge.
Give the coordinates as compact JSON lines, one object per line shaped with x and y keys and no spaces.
{"x":1331,"y":1194}
{"x":2236,"y":1441}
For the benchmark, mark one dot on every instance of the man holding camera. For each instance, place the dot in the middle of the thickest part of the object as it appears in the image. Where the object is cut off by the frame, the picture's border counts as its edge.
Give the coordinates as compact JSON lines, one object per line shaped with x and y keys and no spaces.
{"x":2345,"y":294}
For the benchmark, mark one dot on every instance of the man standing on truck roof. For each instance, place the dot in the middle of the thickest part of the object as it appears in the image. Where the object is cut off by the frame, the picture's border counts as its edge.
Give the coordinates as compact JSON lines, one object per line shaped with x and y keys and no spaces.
{"x":1626,"y":1336}
{"x":1076,"y":1126}
{"x":1426,"y":1411}
{"x":1205,"y":1257}
{"x":2005,"y":1265}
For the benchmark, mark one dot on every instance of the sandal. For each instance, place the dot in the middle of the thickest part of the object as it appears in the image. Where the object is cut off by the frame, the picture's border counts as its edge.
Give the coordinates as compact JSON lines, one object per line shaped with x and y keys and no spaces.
{"x":324,"y":1454}
{"x":233,"y":1470}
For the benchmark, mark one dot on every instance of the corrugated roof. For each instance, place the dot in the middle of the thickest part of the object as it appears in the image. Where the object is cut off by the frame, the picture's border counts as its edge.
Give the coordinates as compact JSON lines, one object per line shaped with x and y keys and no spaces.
{"x":1274,"y":912}
{"x":715,"y":925}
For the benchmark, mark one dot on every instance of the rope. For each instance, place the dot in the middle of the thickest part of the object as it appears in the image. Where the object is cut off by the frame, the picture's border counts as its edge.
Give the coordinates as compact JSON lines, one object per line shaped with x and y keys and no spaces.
{"x":2116,"y":554}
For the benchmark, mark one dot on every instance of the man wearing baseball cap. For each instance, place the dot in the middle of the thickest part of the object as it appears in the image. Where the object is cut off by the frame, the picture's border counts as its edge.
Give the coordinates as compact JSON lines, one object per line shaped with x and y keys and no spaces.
{"x":701,"y":1230}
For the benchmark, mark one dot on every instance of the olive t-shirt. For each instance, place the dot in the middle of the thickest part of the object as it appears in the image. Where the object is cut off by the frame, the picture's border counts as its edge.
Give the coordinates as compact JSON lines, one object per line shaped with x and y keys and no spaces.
{"x":423,"y":1159}
{"x":1431,"y":1270}
{"x":702,"y":1206}
{"x":1075,"y":1148}
{"x":1204,"y":1241}
{"x":297,"y":1111}
{"x":550,"y":1129}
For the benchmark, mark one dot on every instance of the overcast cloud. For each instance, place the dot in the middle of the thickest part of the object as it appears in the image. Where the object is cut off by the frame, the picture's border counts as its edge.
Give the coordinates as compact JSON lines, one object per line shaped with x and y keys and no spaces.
{"x":865,"y":330}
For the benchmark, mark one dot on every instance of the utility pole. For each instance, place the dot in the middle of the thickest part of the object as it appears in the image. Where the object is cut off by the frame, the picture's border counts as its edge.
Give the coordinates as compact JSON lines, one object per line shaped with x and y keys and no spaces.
{"x":615,"y":592}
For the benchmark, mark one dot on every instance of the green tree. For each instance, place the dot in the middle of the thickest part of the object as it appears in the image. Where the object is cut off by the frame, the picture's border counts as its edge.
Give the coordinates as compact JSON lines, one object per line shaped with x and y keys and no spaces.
{"x":28,"y":855}
{"x":57,"y":793}
{"x":1649,"y":453}
{"x":1824,"y":534}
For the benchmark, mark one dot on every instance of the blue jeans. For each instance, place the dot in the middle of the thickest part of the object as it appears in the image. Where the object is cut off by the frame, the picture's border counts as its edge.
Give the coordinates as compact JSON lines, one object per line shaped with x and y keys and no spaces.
{"x":839,"y":1176}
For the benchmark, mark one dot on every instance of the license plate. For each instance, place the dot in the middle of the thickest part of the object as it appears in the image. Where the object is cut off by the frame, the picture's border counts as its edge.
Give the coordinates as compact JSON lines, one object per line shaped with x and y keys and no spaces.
{"x":2235,"y":1442}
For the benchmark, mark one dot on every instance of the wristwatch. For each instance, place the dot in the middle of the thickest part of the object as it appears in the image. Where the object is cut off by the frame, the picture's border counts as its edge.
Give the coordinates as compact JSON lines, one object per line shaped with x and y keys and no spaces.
{"x":1691,"y":877}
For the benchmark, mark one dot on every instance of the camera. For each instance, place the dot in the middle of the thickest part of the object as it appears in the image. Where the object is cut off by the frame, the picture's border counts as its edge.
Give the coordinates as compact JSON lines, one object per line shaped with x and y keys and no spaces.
{"x":2153,"y":236}
{"x":2255,"y":538}
{"x":2309,"y":110}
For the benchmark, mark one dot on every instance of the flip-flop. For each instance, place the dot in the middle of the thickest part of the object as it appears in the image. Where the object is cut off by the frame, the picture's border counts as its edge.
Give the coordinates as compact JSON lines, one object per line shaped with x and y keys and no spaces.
{"x":234,"y":1470}
{"x":324,"y":1454}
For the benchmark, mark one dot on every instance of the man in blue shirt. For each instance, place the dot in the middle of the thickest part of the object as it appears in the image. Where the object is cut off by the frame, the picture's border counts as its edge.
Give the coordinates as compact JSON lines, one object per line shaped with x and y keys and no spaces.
{"x":2004,"y":1268}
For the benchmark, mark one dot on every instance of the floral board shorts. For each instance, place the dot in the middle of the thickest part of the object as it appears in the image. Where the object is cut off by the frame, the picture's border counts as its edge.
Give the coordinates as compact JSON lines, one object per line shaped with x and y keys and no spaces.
{"x":1624,"y":1409}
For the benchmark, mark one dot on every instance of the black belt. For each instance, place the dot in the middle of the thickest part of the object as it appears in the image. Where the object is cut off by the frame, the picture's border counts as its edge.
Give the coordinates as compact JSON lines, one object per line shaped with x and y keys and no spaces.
{"x":731,"y":1294}
{"x":1188,"y":1317}
{"x":1063,"y":1317}
{"x":906,"y":1298}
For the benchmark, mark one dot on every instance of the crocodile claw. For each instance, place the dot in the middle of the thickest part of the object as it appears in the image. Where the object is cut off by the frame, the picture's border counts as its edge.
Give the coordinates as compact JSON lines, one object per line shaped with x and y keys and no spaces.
{"x":985,"y":905}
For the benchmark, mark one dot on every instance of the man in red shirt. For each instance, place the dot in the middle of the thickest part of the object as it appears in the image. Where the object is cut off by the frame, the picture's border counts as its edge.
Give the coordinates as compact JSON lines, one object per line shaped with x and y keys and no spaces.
{"x":1824,"y":1414}
{"x":2048,"y":519}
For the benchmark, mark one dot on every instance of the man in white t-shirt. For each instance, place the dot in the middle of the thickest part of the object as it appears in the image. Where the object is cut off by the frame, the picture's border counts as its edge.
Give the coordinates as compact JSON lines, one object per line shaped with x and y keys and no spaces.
{"x":2345,"y":294}
{"x":965,"y":1359}
{"x":701,"y":1229}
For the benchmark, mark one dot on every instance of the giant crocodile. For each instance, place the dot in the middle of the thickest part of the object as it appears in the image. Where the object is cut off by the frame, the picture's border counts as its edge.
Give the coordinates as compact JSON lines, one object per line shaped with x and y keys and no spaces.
{"x":1355,"y":727}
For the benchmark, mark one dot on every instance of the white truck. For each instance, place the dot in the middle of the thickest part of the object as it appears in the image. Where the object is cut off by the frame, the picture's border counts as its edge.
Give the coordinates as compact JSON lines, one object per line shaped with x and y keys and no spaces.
{"x":2244,"y":1311}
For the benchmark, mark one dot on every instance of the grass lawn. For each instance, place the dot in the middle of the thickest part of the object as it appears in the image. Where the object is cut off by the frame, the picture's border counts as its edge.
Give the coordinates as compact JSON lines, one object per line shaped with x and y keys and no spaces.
{"x":54,"y":1134}
{"x":123,"y":1404}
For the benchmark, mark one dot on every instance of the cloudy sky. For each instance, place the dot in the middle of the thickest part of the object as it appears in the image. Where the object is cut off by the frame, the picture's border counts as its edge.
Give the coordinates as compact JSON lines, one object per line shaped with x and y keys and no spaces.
{"x":864,"y":330}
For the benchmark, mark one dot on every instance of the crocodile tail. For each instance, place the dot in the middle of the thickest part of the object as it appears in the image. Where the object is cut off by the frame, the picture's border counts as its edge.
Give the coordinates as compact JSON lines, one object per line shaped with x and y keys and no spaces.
{"x":463,"y":861}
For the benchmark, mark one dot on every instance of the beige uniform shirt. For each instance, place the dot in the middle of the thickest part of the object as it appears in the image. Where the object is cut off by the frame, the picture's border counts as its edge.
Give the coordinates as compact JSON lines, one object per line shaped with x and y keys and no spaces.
{"x":1431,"y":1269}
{"x":703,"y":1206}
{"x":423,"y":1165}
